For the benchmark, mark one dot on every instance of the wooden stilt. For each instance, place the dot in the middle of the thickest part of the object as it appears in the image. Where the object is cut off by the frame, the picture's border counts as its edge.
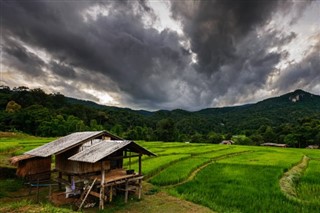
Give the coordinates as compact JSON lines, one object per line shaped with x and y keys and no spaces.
{"x":110,"y":194}
{"x":139,"y":189}
{"x":60,"y":177}
{"x":50,"y":189}
{"x":140,"y":164}
{"x":101,"y":204}
{"x":126,"y":192}
{"x":38,"y":190}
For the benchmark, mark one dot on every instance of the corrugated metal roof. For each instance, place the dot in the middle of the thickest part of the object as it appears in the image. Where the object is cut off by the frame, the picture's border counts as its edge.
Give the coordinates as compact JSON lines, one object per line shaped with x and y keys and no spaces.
{"x":106,"y":148}
{"x":99,"y":151}
{"x":64,"y":143}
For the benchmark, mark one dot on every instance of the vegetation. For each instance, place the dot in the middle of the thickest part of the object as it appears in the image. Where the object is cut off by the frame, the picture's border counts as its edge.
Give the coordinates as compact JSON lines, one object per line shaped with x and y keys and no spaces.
{"x":278,"y":120}
{"x":245,"y":183}
{"x":309,"y":188}
{"x":220,"y":177}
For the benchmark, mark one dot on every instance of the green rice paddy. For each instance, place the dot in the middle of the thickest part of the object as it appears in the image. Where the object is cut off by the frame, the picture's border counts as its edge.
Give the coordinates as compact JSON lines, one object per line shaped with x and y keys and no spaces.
{"x":222,"y":178}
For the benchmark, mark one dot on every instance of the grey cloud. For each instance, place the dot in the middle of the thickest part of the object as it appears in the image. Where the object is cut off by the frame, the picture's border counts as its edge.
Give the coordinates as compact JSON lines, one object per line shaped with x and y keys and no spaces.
{"x":139,"y":60}
{"x":17,"y":56}
{"x":215,"y":27}
{"x":62,"y":70}
{"x":304,"y":74}
{"x":121,"y":54}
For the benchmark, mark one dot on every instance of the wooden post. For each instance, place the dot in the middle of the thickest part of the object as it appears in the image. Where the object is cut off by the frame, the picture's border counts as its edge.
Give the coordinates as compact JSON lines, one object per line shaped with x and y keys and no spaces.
{"x":140,"y":164}
{"x":111,"y":193}
{"x":59,"y":183}
{"x":126,"y":192}
{"x":101,"y":204}
{"x":50,"y":190}
{"x":38,"y":190}
{"x":139,"y":189}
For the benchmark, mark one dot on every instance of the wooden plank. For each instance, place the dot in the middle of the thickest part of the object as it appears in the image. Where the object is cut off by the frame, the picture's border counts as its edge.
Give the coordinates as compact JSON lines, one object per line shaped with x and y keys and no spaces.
{"x":86,"y":195}
{"x":96,"y":194}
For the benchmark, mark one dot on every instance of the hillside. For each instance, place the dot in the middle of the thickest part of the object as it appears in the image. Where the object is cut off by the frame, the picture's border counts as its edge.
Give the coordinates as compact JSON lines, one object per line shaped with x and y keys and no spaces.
{"x":292,"y":118}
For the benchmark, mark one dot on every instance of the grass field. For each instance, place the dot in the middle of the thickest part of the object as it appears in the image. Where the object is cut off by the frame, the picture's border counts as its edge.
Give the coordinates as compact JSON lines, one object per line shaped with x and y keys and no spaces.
{"x":222,"y":178}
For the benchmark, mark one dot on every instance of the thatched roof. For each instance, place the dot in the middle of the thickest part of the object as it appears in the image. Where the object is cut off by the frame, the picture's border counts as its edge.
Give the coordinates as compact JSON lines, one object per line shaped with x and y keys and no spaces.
{"x":65,"y":143}
{"x":14,"y":160}
{"x":106,"y":148}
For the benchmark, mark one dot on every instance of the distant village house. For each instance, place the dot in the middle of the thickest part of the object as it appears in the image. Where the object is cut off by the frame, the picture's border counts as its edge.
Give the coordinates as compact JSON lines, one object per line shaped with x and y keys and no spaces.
{"x":227,"y":142}
{"x":275,"y":145}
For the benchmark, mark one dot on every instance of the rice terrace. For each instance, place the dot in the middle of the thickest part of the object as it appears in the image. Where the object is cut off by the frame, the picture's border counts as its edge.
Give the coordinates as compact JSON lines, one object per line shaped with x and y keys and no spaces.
{"x":220,"y":177}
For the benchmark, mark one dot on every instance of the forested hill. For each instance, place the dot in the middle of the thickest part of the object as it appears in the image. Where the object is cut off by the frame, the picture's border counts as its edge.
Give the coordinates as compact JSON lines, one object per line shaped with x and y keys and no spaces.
{"x":292,"y":118}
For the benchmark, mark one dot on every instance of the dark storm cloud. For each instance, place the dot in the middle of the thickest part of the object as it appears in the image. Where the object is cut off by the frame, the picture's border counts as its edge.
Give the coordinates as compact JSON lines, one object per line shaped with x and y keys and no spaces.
{"x":216,"y":27}
{"x":111,"y":46}
{"x":17,"y":56}
{"x":62,"y":70}
{"x":120,"y":46}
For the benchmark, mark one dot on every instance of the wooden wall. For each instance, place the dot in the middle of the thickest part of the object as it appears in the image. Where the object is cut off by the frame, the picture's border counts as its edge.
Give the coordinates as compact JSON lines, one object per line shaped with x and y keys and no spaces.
{"x":33,"y":166}
{"x":75,"y":167}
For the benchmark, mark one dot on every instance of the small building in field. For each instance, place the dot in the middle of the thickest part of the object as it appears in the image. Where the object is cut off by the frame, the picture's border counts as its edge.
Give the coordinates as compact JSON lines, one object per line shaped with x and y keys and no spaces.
{"x":95,"y":157}
{"x":227,"y":142}
{"x":275,"y":145}
{"x":32,"y":167}
{"x":312,"y":147}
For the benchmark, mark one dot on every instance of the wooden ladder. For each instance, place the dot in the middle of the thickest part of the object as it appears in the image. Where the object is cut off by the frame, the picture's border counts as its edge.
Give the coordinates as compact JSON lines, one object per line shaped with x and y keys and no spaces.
{"x":87,"y":192}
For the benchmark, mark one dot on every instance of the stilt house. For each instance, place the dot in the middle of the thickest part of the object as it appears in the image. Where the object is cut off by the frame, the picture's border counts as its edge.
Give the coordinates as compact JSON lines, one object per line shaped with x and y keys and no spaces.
{"x":96,"y":155}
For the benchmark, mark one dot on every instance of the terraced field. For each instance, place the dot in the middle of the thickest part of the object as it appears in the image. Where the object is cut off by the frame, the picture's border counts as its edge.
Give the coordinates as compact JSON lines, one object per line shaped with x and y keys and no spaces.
{"x":222,"y":178}
{"x":235,"y":178}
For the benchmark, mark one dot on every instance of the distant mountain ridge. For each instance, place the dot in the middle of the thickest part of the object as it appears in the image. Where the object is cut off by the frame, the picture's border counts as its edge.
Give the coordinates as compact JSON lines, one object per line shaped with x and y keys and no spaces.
{"x":292,"y":115}
{"x":291,"y":97}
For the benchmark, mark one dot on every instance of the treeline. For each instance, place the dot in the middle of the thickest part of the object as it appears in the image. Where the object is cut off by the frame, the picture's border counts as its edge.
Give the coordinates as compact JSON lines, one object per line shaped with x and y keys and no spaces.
{"x":276,"y":120}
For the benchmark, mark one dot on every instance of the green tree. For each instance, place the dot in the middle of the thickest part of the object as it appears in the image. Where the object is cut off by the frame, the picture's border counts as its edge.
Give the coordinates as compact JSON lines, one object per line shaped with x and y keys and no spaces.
{"x":291,"y":140}
{"x":12,"y":107}
{"x":242,"y":140}
{"x":214,"y":137}
{"x":269,"y":135}
{"x":165,"y":130}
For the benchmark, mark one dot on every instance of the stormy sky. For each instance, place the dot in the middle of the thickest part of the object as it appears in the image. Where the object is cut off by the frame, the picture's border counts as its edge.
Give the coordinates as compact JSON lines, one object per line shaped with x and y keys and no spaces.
{"x":149,"y":54}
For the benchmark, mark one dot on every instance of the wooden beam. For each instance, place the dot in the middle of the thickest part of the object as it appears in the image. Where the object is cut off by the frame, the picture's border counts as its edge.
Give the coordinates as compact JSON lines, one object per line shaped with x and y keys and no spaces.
{"x":121,"y":157}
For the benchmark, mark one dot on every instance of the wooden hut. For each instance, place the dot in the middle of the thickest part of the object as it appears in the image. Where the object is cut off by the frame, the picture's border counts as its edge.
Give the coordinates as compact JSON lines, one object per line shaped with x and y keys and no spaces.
{"x":96,"y":155}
